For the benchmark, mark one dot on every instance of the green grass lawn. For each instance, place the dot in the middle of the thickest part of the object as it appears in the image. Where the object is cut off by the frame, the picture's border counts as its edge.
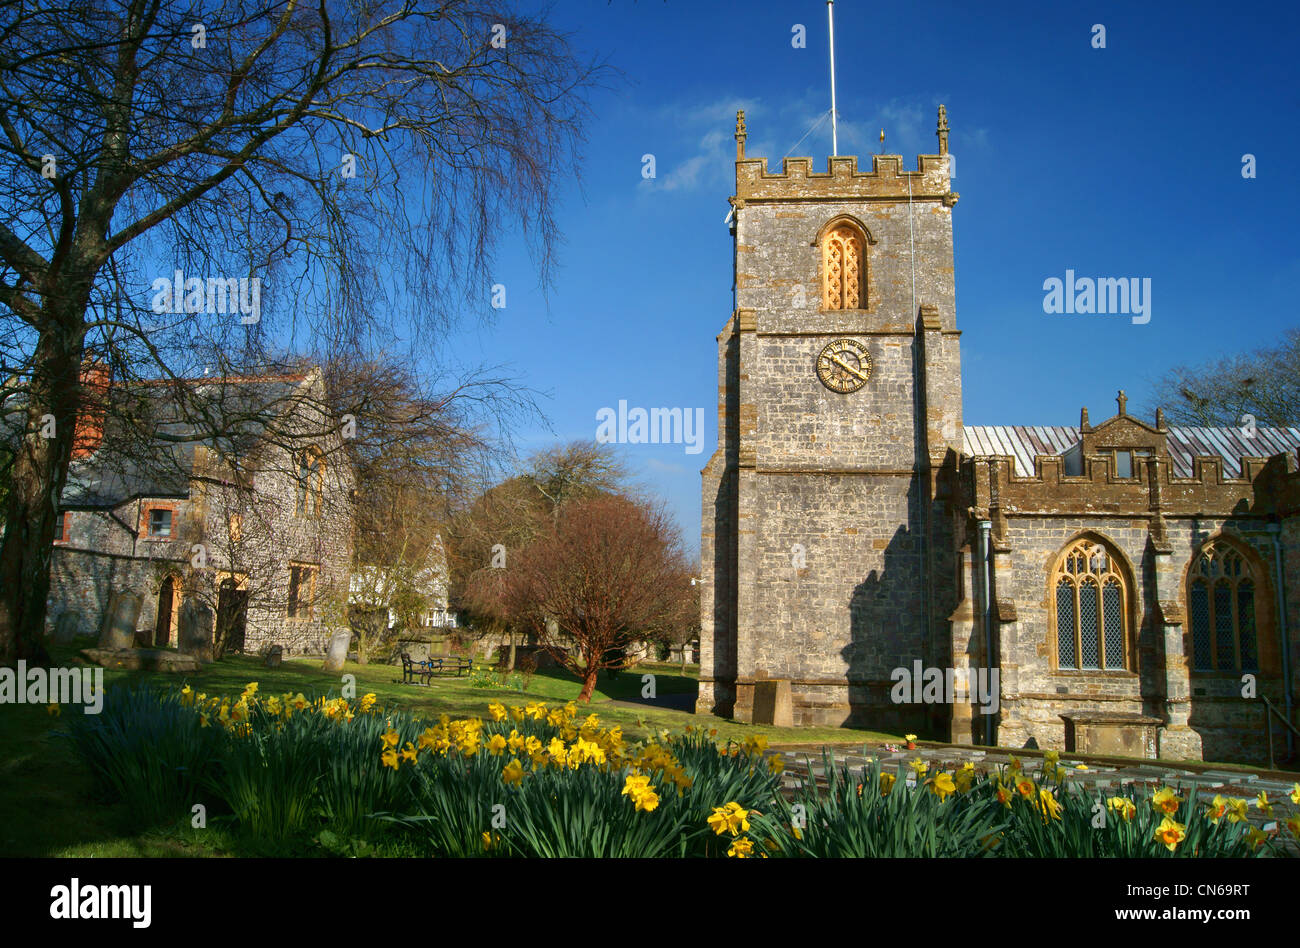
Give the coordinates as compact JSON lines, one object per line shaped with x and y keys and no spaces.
{"x":48,"y":806}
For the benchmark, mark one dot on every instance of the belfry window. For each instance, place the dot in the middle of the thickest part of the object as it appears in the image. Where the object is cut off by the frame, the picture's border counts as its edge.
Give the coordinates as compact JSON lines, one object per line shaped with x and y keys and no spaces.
{"x":1090,"y":608}
{"x":1221,"y":598}
{"x":844,"y":268}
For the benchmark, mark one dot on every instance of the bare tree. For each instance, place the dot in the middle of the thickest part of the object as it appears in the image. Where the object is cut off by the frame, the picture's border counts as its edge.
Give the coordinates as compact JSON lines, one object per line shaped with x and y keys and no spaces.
{"x":180,"y":178}
{"x":1264,"y":384}
{"x":607,"y":572}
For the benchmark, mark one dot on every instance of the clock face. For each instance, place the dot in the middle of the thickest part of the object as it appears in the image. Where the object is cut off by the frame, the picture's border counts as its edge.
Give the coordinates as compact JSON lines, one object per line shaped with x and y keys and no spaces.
{"x":844,"y":366}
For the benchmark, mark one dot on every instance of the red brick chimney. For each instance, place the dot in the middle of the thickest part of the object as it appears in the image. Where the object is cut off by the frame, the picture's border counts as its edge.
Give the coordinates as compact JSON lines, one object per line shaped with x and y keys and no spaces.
{"x":89,"y":433}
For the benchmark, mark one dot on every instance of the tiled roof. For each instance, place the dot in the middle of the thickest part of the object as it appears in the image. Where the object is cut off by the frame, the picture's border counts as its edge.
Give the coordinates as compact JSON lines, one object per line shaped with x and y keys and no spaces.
{"x":1023,"y":442}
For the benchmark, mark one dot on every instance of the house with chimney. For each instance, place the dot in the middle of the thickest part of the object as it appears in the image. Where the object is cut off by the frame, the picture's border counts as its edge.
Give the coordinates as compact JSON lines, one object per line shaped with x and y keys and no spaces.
{"x":224,"y":500}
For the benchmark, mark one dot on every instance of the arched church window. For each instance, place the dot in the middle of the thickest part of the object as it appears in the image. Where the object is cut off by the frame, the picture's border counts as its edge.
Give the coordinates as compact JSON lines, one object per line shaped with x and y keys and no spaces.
{"x":1090,"y":609}
{"x":1222,"y":592}
{"x":844,"y":268}
{"x":311,"y":483}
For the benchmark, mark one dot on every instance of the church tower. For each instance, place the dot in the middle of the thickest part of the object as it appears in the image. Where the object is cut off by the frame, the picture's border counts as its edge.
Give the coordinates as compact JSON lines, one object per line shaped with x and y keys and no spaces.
{"x":828,"y":546}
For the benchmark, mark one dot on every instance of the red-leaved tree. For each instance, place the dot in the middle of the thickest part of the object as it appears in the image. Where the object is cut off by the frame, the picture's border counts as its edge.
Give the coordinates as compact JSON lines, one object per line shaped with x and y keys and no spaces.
{"x":607,"y":571}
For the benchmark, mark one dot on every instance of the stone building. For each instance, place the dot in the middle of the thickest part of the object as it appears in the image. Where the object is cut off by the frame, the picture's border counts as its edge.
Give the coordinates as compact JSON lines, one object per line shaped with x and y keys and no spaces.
{"x":242,"y":519}
{"x":1127,"y":586}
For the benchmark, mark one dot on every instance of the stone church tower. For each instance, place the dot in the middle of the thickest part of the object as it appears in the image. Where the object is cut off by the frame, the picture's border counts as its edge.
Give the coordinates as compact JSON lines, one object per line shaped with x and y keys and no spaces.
{"x":829,"y":539}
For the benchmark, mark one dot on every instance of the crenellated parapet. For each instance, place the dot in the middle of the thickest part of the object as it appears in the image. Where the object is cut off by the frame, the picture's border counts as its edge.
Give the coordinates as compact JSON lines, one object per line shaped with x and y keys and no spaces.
{"x":843,"y":180}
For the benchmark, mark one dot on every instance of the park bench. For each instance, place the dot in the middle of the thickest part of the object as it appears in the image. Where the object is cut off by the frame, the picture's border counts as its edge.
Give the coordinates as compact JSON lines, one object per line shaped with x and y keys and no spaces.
{"x":451,"y":664}
{"x":414,"y":673}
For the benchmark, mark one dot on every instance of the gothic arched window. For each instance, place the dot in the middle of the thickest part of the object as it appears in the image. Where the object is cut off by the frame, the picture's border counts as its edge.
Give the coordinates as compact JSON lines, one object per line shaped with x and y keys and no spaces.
{"x":311,"y":483}
{"x":1222,"y":591}
{"x":844,"y":268}
{"x":1090,"y":609}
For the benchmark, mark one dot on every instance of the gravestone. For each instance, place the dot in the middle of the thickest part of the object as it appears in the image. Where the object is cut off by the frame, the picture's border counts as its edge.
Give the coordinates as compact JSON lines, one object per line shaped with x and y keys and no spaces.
{"x":196,"y":626}
{"x":772,"y":703}
{"x":65,"y":629}
{"x":274,"y":656}
{"x":118,"y":630}
{"x":338,"y":651}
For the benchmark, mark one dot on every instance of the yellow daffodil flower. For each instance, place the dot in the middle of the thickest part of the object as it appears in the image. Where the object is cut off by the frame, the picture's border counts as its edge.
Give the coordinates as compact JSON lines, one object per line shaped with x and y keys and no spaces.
{"x":1165,"y":801}
{"x":1048,"y":804}
{"x":1237,"y":811}
{"x":1261,"y":801}
{"x":919,"y":766}
{"x":942,"y":786}
{"x":1170,"y":834}
{"x":1123,"y":806}
{"x":513,"y":772}
{"x":1217,"y":808}
{"x":741,"y":848}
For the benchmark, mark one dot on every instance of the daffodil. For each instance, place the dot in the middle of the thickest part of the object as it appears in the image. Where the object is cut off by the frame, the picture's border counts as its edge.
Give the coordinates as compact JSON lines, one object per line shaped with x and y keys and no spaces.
{"x":776,"y":764}
{"x":1165,"y":801}
{"x":1261,"y":801}
{"x":741,"y":848}
{"x":1050,"y":758}
{"x":496,"y":745}
{"x":942,"y":786}
{"x":409,"y":753}
{"x":910,"y":738}
{"x":1025,"y":787}
{"x":1237,"y":811}
{"x":1256,"y":836}
{"x":1217,"y":808}
{"x":1123,"y":806}
{"x":919,"y":766}
{"x":1048,"y":804}
{"x":1004,"y":795}
{"x":389,"y":758}
{"x":886,"y":784}
{"x":1293,"y":825}
{"x":53,"y":710}
{"x":1170,"y":834}
{"x":1295,"y":794}
{"x":513,"y":772}
{"x":390,"y":738}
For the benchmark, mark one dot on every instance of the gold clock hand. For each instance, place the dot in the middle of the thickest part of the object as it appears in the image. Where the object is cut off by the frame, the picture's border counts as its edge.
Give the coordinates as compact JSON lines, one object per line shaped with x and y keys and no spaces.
{"x":847,"y":368}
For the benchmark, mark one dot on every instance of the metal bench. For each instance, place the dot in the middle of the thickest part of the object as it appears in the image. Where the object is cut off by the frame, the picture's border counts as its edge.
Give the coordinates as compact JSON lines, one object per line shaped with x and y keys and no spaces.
{"x":415,"y":673}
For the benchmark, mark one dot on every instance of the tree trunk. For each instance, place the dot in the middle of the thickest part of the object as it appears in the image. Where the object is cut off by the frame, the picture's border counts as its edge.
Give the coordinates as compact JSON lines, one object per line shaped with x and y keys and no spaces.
{"x":512,"y":650}
{"x":588,"y":682}
{"x":40,"y":470}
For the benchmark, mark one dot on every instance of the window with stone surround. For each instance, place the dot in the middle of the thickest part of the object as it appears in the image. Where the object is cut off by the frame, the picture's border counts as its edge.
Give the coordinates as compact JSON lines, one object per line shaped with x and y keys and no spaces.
{"x":302,"y":590}
{"x":63,"y":527}
{"x":844,"y":268}
{"x":1223,"y":591}
{"x":1090,"y":609}
{"x":311,"y":483}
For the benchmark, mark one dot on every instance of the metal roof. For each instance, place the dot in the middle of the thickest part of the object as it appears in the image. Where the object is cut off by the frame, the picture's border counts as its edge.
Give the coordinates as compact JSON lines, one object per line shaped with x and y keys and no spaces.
{"x":1024,"y":442}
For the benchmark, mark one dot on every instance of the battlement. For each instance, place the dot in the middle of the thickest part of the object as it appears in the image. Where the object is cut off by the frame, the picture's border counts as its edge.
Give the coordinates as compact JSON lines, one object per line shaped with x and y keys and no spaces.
{"x":843,"y":180}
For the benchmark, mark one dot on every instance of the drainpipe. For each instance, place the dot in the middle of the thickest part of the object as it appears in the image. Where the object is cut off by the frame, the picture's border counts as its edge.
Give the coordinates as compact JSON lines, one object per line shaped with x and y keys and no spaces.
{"x":985,"y":580}
{"x":1274,"y":529}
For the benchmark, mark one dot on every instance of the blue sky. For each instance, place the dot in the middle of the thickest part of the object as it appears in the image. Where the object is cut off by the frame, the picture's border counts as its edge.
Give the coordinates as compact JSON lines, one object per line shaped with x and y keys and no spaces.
{"x":1119,"y":162}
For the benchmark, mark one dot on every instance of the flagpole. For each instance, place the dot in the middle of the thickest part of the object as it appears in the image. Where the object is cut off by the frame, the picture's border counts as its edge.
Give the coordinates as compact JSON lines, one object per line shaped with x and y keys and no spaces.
{"x":830,"y":19}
